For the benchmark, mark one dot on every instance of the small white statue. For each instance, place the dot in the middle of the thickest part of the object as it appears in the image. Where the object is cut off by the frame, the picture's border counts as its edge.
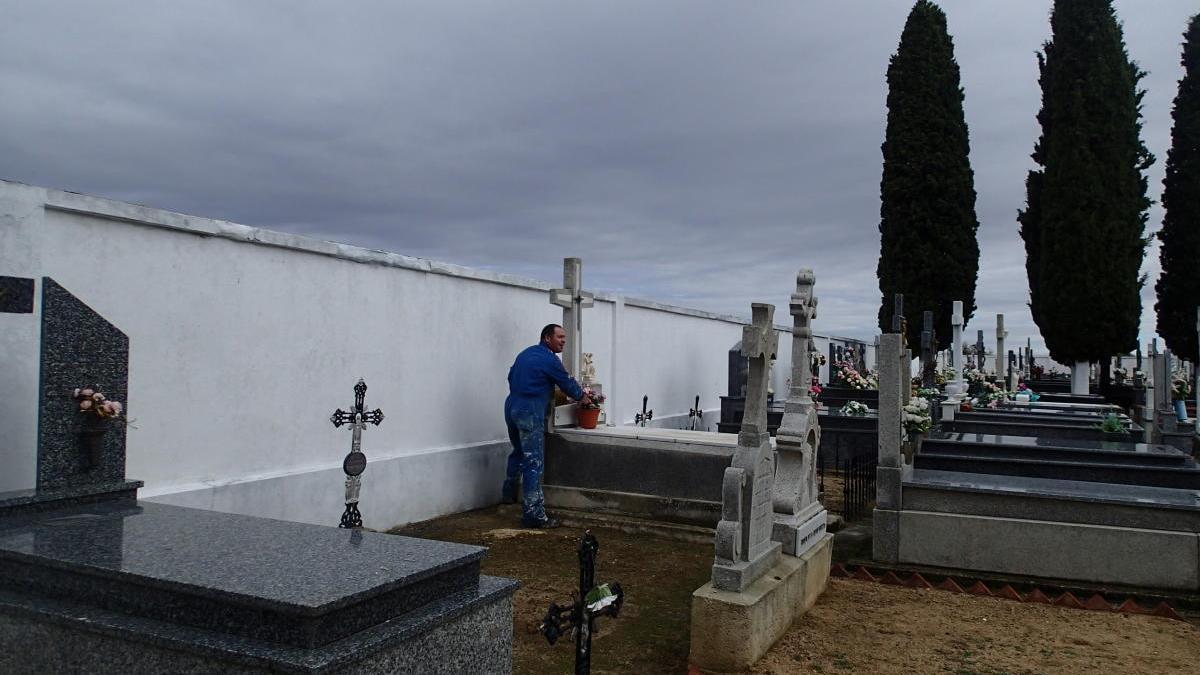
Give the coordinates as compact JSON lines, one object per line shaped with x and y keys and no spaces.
{"x":587,"y":371}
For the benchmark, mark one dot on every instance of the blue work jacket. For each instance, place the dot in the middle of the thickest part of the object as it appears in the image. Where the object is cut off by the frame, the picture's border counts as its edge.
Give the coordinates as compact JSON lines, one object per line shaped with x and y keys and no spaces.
{"x":532,"y":377}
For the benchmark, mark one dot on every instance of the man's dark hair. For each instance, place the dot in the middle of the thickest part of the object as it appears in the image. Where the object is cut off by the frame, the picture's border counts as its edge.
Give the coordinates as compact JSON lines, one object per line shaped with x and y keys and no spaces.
{"x":548,"y":330}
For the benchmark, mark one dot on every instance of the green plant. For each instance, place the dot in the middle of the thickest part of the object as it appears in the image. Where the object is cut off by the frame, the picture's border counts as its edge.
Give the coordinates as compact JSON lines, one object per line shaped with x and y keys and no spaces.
{"x":1112,"y":424}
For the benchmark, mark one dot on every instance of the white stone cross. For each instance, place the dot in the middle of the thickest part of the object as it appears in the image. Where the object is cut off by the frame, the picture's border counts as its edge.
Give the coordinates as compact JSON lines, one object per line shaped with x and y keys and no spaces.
{"x":956,"y":322}
{"x":799,"y":517}
{"x":573,"y":300}
{"x":744,"y":550}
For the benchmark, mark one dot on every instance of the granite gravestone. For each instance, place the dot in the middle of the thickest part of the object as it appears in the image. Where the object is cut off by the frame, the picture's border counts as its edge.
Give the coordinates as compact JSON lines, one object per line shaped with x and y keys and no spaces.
{"x":800,"y":519}
{"x":744,"y":549}
{"x":79,"y":348}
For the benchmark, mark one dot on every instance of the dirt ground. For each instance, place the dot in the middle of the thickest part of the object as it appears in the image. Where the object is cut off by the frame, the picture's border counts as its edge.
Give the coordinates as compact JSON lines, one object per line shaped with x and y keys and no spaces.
{"x":855,"y":627}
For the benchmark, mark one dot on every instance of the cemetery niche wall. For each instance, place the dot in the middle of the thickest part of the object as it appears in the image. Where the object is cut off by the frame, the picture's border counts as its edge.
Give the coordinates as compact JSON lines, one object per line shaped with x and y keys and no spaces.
{"x":92,"y":580}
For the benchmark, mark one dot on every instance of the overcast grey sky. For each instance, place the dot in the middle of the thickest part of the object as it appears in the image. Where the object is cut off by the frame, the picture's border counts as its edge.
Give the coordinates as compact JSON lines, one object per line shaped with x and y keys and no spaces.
{"x":696,"y":153}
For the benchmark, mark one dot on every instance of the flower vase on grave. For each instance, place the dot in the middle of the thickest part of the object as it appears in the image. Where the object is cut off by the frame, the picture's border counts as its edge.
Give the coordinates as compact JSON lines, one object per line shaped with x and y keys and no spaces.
{"x":91,"y":441}
{"x":1180,"y":409}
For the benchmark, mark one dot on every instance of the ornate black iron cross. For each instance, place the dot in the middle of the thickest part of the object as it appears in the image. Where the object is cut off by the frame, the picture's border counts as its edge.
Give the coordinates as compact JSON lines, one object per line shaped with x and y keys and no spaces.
{"x":696,"y":413}
{"x":592,"y":601}
{"x":356,"y":462}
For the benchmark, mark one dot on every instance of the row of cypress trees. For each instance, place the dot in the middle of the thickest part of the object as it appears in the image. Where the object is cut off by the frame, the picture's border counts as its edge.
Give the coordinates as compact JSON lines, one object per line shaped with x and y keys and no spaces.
{"x":1084,"y":220}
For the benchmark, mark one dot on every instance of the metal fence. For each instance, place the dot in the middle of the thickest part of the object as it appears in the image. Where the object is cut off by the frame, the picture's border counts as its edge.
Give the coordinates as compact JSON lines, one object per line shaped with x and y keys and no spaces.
{"x":854,"y":491}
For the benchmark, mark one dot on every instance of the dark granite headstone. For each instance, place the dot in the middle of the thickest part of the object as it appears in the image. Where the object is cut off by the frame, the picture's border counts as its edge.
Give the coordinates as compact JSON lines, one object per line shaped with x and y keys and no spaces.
{"x":16,"y":295}
{"x":79,"y":349}
{"x":739,"y":369}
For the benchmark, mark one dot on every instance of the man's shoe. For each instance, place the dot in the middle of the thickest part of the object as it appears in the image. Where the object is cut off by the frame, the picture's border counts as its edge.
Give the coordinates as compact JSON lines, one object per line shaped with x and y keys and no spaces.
{"x":547,"y":524}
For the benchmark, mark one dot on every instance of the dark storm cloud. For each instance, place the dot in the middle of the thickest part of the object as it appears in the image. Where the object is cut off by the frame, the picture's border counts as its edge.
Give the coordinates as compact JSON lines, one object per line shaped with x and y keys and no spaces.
{"x":691,"y":152}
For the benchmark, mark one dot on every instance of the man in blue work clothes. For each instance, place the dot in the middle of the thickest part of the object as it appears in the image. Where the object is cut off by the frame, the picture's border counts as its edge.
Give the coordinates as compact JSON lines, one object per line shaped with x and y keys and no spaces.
{"x":531,"y":381}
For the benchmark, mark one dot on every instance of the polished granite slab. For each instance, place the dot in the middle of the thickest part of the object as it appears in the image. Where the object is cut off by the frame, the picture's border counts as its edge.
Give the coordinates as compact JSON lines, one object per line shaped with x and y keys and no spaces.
{"x":1015,"y":441}
{"x":1108,"y":493}
{"x":278,"y":581}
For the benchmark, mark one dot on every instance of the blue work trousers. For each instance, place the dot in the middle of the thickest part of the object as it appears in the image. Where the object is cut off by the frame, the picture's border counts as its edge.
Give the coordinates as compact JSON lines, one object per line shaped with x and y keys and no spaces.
{"x":526,"y":421}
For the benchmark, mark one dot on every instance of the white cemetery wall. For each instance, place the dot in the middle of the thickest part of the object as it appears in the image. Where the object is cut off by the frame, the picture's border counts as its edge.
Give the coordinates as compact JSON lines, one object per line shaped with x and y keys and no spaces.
{"x":243,"y":341}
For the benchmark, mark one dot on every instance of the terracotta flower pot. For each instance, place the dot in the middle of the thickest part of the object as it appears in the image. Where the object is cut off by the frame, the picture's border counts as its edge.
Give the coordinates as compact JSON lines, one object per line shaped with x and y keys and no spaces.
{"x":588,"y":417}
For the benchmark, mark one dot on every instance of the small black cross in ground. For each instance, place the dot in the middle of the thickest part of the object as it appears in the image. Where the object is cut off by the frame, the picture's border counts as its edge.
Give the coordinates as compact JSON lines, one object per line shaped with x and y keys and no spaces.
{"x":589,"y":603}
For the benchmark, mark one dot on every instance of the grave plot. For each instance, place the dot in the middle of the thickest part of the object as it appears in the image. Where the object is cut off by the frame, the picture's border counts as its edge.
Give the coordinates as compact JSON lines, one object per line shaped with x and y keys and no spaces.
{"x":117,"y":585}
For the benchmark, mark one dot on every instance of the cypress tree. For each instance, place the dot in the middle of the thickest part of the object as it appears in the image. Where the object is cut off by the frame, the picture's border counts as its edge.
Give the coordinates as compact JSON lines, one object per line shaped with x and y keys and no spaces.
{"x":1178,"y":287}
{"x":927,"y":226}
{"x":1086,"y":204}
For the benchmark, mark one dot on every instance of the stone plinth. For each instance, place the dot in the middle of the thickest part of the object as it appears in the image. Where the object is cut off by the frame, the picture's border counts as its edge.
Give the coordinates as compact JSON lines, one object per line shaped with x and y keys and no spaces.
{"x":731,"y":631}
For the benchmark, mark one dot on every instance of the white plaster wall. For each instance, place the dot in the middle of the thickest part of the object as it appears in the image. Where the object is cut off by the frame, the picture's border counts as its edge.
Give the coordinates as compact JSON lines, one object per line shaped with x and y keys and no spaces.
{"x":243,"y":341}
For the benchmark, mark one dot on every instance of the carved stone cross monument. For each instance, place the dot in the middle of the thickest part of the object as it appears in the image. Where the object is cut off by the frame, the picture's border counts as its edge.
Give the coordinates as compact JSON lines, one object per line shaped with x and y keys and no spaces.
{"x":956,"y":388}
{"x":573,"y":300}
{"x":1000,"y":335}
{"x":799,"y":518}
{"x":744,"y":550}
{"x":980,"y":351}
{"x":356,"y":462}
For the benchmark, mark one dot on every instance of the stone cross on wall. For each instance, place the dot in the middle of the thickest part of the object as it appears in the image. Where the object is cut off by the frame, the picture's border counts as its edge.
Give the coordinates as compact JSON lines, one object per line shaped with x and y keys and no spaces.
{"x":799,"y":517}
{"x":744,"y":550}
{"x":573,"y":300}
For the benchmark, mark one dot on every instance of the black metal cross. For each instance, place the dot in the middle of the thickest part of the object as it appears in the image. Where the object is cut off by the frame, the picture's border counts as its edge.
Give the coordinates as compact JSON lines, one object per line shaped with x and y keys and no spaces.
{"x":644,"y":416}
{"x":356,"y":462}
{"x":696,"y":413}
{"x":589,"y":603}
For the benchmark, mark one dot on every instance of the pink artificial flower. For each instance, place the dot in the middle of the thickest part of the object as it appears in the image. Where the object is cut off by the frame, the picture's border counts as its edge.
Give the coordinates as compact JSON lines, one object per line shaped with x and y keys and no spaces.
{"x":97,"y":397}
{"x":86,"y":392}
{"x":85,"y":404}
{"x":116,"y":407}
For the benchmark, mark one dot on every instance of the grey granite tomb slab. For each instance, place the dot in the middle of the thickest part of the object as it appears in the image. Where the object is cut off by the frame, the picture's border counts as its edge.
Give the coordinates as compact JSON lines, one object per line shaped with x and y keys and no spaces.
{"x":280,"y":581}
{"x":79,"y":349}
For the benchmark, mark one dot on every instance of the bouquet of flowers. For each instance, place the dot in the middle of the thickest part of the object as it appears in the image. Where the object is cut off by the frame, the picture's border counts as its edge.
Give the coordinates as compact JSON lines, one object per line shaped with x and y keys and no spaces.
{"x":1180,"y":387}
{"x":814,"y":390}
{"x":93,"y":402}
{"x":597,"y":398}
{"x":848,"y":376}
{"x":854,"y":409}
{"x":990,"y":395}
{"x":974,"y":376}
{"x":916,"y":418}
{"x":927,"y":393}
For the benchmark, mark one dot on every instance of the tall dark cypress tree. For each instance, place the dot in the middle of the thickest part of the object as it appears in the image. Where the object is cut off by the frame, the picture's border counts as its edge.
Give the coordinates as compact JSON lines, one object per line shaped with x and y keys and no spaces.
{"x":927,"y":226}
{"x":1178,"y":287}
{"x":1086,"y":205}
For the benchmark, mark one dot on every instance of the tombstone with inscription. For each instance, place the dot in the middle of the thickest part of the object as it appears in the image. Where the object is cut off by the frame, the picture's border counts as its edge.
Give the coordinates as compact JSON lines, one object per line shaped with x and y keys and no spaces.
{"x":799,"y":518}
{"x":95,"y":581}
{"x":755,"y":592}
